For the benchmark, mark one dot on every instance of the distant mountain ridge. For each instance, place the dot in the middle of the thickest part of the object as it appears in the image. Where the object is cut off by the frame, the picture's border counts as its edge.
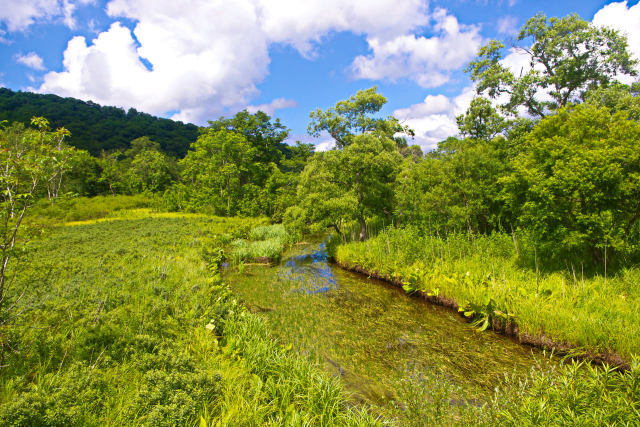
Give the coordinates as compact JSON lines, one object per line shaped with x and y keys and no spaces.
{"x":94,"y":127}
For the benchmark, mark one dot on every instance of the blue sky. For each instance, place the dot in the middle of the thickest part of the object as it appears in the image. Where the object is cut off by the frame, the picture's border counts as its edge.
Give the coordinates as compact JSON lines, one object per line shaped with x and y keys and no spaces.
{"x":198,"y":59}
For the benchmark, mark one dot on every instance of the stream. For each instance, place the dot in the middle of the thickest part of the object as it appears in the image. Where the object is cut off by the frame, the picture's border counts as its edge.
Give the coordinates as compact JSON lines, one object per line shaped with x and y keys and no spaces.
{"x":373,"y":335}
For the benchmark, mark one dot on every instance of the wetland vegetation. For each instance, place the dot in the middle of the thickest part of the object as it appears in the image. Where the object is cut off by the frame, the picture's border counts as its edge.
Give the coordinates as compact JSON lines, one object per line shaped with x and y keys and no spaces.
{"x":139,"y":288}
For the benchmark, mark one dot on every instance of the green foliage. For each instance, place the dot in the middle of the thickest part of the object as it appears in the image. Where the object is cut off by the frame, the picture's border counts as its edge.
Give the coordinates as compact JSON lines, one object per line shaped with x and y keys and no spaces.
{"x":573,"y":394}
{"x":97,"y":128}
{"x":576,"y":185}
{"x":137,"y":329}
{"x":354,"y":116}
{"x":265,"y":242}
{"x":568,"y":56}
{"x":352,"y":184}
{"x":240,"y":166}
{"x":455,"y":188}
{"x":481,"y":121}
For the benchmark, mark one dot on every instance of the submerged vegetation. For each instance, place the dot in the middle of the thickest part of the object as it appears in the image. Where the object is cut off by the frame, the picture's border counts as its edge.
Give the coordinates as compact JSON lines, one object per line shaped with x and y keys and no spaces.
{"x":487,"y":279}
{"x":113,"y":308}
{"x":127,"y":323}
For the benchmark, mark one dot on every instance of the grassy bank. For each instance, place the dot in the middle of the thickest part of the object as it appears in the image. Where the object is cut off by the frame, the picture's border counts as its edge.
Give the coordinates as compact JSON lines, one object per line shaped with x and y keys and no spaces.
{"x":127,"y":322}
{"x":484,"y":276}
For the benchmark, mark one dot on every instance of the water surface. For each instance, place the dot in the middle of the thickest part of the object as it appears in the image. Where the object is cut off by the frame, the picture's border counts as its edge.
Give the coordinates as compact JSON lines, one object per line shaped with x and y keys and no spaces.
{"x":372,"y":334}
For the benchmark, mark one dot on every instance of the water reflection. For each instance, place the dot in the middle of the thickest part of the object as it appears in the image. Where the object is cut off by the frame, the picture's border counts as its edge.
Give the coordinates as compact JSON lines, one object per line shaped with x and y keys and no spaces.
{"x":310,"y":270}
{"x":371,"y":334}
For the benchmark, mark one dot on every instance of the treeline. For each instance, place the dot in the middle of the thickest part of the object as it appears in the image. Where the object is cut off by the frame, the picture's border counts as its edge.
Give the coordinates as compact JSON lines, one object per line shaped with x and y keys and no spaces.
{"x":556,"y":164}
{"x":236,"y":166}
{"x":97,"y":128}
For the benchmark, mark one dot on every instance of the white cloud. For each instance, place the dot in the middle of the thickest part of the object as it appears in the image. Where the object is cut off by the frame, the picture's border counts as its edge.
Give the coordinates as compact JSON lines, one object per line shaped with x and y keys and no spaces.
{"x":327,"y":145}
{"x":434,"y":120}
{"x":18,"y":15}
{"x":273,"y":106}
{"x":207,"y":57}
{"x":426,"y":60}
{"x":31,"y":60}
{"x":624,"y":19}
{"x":300,"y":23}
{"x":507,"y":25}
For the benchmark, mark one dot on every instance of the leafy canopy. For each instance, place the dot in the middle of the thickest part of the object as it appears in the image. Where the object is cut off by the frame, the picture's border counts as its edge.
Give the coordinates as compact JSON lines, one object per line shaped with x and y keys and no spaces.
{"x":567,"y":57}
{"x":348,"y":185}
{"x":355,"y":116}
{"x":576,"y":183}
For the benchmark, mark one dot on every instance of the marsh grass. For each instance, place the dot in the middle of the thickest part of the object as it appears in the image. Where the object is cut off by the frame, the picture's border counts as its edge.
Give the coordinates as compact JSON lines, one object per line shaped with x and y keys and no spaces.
{"x":264,"y":242}
{"x":67,"y":209}
{"x":486,"y":271}
{"x":124,"y":323}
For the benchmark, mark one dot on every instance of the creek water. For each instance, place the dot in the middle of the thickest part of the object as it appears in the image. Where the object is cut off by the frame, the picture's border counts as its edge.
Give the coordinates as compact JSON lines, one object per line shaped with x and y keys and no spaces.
{"x":373,"y":335}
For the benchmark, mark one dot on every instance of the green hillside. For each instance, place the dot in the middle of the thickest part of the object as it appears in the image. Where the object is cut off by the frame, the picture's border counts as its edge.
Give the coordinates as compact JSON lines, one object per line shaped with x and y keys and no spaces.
{"x":95,"y":127}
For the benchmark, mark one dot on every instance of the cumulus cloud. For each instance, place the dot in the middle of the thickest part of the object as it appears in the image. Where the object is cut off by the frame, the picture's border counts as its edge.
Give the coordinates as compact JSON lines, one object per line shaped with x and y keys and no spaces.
{"x":426,"y":60}
{"x":31,"y":60}
{"x":434,"y":119}
{"x":301,"y":23}
{"x":507,"y":25}
{"x":18,"y":15}
{"x":273,"y":106}
{"x":623,"y":18}
{"x":326,"y":145}
{"x":207,"y":58}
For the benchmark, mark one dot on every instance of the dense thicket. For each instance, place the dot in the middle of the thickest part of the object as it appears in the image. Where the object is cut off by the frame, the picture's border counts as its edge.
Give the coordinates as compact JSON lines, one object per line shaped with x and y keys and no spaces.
{"x":97,"y":128}
{"x":558,"y":162}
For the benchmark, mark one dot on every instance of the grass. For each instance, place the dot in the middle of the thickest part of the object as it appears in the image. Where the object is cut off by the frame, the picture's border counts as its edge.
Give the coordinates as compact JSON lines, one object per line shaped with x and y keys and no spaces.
{"x":128,"y":323}
{"x":84,"y":208}
{"x":484,"y":275}
{"x":264,"y":242}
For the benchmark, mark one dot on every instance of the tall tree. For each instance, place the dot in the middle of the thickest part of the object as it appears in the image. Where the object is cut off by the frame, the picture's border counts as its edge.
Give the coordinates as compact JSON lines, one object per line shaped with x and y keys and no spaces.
{"x":355,"y":116}
{"x":217,"y":167}
{"x":352,"y":184}
{"x":576,"y":184}
{"x":567,"y":57}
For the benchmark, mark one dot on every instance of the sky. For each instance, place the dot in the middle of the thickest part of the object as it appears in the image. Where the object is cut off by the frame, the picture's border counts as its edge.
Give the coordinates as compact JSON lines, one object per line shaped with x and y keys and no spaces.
{"x":197,"y":60}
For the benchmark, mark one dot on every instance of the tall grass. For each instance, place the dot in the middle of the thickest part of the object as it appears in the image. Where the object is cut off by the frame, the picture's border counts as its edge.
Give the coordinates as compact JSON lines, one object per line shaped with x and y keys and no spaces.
{"x":576,"y":394}
{"x":264,"y":242}
{"x":485,"y":275}
{"x":124,"y":323}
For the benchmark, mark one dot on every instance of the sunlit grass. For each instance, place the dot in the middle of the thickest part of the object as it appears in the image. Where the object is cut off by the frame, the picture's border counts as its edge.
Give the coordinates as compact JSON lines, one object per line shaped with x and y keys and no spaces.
{"x":126,"y":323}
{"x":591,"y":312}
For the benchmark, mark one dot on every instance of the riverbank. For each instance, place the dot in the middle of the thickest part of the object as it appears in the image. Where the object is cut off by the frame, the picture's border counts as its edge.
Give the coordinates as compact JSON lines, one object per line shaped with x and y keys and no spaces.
{"x":420,"y":364}
{"x":594,"y":318}
{"x":128,"y":322}
{"x":509,"y":328}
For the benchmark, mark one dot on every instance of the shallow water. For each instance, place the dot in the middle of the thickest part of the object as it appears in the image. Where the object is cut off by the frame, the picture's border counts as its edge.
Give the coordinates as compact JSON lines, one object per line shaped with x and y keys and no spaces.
{"x":372,"y":334}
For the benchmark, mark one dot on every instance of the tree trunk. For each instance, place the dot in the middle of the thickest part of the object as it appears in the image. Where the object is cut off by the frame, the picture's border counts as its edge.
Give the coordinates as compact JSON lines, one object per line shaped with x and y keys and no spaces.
{"x":363,"y":229}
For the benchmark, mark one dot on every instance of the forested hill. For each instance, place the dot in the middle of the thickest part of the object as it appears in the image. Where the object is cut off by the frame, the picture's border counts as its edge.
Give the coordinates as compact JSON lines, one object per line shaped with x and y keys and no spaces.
{"x":94,"y":127}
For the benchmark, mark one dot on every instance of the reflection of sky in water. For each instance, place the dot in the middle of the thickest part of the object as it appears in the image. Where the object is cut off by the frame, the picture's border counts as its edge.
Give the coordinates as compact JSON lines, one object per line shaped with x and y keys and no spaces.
{"x":310,"y":271}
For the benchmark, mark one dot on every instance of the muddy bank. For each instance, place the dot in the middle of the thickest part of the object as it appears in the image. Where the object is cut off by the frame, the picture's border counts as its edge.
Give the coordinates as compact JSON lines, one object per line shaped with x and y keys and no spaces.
{"x":509,"y":328}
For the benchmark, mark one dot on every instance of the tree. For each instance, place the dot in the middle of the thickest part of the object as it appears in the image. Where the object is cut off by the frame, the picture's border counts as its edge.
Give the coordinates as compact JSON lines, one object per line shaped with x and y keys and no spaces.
{"x":455,"y":188}
{"x":616,"y":98}
{"x":354,"y":116}
{"x":567,"y":57}
{"x":217,"y":167}
{"x":150,"y":170}
{"x":29,"y":159}
{"x":576,"y":184}
{"x":481,"y":121}
{"x":353,"y":184}
{"x":265,"y":136}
